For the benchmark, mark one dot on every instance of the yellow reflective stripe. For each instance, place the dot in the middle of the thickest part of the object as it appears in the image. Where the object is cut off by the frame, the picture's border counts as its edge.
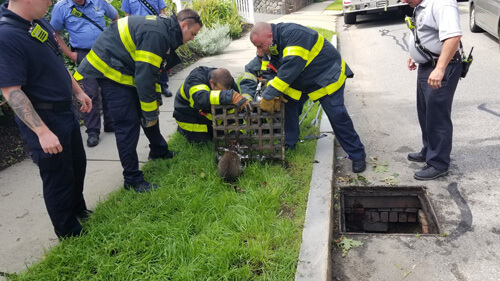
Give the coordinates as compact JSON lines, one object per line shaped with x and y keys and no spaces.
{"x":151,"y":17}
{"x":264,"y":65}
{"x":149,"y":106}
{"x":332,"y":88}
{"x":249,"y":76}
{"x":279,"y":84}
{"x":183,"y":94}
{"x":198,"y":128}
{"x":158,"y":88}
{"x":303,"y":53}
{"x":293,"y":93}
{"x":109,"y":72}
{"x":77,"y":76}
{"x":145,"y":56}
{"x":248,"y":97}
{"x":296,"y":51}
{"x":214,"y":97}
{"x":316,"y":49}
{"x":197,"y":88}
{"x":125,"y":36}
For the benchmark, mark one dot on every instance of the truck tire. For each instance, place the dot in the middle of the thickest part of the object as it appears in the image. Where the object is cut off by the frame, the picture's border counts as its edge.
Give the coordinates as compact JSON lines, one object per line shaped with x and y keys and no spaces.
{"x":472,"y":20}
{"x":349,"y":18}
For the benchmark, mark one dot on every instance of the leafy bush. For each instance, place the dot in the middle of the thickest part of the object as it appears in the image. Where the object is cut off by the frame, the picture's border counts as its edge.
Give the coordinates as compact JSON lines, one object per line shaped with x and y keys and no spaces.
{"x":214,"y":11}
{"x":211,"y":41}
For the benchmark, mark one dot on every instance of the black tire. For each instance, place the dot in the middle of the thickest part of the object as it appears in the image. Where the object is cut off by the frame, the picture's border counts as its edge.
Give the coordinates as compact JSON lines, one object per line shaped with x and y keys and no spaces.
{"x":472,"y":20}
{"x":349,"y":18}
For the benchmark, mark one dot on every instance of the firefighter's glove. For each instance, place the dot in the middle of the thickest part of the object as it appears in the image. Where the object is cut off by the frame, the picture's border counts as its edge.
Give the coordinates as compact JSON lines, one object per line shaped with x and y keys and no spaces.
{"x":148,"y":123}
{"x":241,"y":102}
{"x":272,"y":105}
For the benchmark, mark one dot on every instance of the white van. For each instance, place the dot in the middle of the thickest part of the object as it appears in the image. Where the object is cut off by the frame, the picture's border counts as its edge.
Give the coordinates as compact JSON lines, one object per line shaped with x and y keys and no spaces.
{"x":352,"y":8}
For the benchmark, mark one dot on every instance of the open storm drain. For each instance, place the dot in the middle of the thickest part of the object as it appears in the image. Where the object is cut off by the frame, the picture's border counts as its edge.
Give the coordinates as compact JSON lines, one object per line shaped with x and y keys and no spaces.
{"x":390,"y":210}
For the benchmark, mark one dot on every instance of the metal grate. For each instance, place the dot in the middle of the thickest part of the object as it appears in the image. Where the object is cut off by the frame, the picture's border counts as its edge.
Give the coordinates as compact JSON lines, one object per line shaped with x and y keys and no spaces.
{"x":257,"y":135}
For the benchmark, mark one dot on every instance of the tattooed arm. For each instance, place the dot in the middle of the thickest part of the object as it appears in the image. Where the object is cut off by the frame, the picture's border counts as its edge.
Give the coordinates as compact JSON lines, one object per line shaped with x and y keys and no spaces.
{"x":22,"y":106}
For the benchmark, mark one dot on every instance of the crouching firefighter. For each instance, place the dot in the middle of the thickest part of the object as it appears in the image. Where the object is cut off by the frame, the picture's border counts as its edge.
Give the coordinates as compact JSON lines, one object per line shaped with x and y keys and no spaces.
{"x":203,"y":88}
{"x":126,"y":59}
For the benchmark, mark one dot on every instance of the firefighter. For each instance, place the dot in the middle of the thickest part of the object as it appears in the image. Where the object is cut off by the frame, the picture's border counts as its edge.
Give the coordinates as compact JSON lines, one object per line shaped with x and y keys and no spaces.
{"x":264,"y":68}
{"x":203,"y":87}
{"x":126,"y":59}
{"x":312,"y":66}
{"x":144,"y":8}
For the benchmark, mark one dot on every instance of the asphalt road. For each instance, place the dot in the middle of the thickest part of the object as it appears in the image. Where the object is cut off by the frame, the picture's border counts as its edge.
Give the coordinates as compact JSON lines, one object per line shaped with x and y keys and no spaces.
{"x":381,"y":100}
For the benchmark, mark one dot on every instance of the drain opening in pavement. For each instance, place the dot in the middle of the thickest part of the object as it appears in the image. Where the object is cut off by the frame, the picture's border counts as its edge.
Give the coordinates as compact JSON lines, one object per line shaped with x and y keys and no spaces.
{"x":391,"y":210}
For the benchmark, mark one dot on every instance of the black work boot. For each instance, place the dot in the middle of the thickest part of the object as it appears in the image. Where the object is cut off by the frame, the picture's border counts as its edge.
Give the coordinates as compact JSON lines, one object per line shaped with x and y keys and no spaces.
{"x":169,"y":155}
{"x":92,"y":140}
{"x":165,"y":91}
{"x":142,"y":186}
{"x":429,"y":173}
{"x":416,"y":157}
{"x":358,"y":166}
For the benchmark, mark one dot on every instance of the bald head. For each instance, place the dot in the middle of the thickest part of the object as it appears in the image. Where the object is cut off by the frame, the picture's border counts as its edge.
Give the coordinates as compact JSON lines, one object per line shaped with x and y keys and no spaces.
{"x":262,"y":37}
{"x":221,"y":79}
{"x":260,"y":28}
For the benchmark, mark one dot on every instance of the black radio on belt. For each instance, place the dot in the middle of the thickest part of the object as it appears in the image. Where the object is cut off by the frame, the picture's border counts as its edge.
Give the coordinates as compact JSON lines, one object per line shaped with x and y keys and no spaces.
{"x":466,"y":62}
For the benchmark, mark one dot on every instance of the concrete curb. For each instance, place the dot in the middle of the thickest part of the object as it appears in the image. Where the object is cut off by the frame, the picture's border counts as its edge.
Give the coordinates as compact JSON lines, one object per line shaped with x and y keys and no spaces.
{"x":315,"y":255}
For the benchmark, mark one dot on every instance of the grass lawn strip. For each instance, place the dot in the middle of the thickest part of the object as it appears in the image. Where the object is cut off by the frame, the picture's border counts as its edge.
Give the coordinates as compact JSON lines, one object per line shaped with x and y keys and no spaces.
{"x":195,"y":227}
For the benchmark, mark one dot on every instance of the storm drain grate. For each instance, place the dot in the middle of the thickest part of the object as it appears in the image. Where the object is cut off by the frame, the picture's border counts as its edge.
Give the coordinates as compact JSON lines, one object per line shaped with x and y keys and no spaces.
{"x":257,"y":135}
{"x":391,"y":210}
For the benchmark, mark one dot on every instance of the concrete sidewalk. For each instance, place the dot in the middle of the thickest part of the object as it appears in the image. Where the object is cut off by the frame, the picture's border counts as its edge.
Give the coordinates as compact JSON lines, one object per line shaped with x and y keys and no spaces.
{"x":25,"y":229}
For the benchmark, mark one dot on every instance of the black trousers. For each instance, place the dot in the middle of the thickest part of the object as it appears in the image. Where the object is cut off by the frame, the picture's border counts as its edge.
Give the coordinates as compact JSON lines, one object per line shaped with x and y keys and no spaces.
{"x":63,"y":173}
{"x":434,"y":114}
{"x":124,"y":105}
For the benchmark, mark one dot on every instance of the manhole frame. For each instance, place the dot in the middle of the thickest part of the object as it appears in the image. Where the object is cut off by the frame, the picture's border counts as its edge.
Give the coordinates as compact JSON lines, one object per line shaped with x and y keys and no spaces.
{"x":418,"y":191}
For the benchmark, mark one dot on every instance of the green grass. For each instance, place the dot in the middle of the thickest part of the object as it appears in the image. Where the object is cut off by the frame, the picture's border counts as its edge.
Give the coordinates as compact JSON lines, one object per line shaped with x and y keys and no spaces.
{"x":336,"y":6}
{"x":194,"y":227}
{"x":328,"y":34}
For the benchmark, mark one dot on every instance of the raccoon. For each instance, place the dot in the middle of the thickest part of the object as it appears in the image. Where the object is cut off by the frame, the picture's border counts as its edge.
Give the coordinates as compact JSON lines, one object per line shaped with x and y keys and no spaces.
{"x":229,"y":166}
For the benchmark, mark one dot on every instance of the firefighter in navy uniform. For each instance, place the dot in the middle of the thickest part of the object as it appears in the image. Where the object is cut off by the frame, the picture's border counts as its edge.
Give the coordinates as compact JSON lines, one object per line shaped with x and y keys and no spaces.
{"x":309,"y":65}
{"x":126,"y":59}
{"x":203,"y":87}
{"x":264,"y":68}
{"x":38,"y":87}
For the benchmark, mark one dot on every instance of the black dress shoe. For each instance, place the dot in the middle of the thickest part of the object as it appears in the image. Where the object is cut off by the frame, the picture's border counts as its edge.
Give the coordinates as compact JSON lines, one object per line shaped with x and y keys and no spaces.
{"x":416,"y":157}
{"x":92,"y":140}
{"x":358,"y":166}
{"x":429,"y":173}
{"x":165,"y":91}
{"x":143,"y":186}
{"x":169,"y":155}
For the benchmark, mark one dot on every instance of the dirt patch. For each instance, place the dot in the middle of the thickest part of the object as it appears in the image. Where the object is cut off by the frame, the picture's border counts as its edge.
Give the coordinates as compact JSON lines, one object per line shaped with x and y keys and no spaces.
{"x":13,"y":149}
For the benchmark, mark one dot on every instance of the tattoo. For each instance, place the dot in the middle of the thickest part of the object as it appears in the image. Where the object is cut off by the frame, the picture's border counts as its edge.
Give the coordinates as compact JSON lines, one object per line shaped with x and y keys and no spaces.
{"x":24,"y":109}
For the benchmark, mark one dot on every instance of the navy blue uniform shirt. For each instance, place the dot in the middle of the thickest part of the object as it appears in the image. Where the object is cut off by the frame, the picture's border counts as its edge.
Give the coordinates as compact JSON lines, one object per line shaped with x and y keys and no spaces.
{"x":44,"y":81}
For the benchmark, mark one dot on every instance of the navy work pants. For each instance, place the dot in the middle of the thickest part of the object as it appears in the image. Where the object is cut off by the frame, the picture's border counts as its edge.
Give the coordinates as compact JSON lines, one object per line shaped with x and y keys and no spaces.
{"x":92,"y":120}
{"x":63,"y":173}
{"x":342,"y":125}
{"x":434,"y":114}
{"x":124,"y":105}
{"x":293,"y":109}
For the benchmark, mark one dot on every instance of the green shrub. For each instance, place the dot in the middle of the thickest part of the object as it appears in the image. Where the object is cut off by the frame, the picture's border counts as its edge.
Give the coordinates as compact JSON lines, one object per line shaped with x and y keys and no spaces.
{"x":211,"y":41}
{"x":215,"y":11}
